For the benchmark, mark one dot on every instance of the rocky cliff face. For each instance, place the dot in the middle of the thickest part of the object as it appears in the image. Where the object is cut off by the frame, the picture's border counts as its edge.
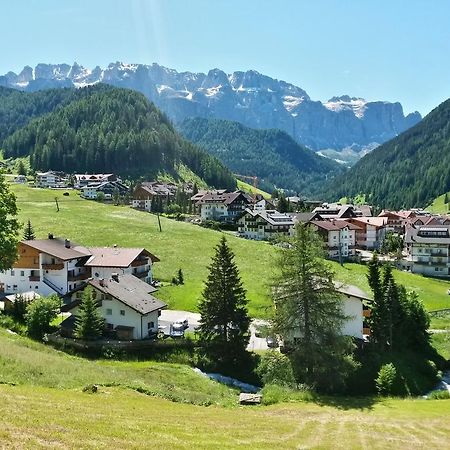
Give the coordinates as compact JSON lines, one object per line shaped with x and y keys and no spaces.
{"x":250,"y":98}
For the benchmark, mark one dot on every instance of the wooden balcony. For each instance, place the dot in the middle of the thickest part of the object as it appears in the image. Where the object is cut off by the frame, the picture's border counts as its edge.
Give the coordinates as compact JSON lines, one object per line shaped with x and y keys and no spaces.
{"x":141,"y":274}
{"x":56,"y":266}
{"x":34,"y":278}
{"x":139,"y":262}
{"x":366,"y":331}
{"x":79,"y":277}
{"x":366,"y":312}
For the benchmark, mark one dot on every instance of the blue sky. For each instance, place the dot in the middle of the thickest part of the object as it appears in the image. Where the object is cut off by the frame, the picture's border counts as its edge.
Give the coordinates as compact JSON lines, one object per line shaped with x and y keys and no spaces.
{"x":396,"y":50}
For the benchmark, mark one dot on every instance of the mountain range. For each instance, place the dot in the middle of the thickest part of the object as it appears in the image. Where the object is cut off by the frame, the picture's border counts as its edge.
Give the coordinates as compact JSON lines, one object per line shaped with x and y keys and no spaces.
{"x":253,"y":99}
{"x":408,"y":171}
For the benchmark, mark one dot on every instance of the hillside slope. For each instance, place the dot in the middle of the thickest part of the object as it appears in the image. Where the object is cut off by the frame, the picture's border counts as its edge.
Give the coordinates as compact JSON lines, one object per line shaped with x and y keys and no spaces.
{"x":408,"y":171}
{"x":272,"y":155}
{"x":106,"y":129}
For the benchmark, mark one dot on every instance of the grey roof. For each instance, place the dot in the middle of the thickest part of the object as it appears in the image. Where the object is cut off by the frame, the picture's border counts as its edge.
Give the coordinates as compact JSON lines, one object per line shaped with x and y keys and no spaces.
{"x":349,"y":289}
{"x":414,"y":234}
{"x":306,"y":217}
{"x":129,"y":290}
{"x":272,"y":217}
{"x":115,"y":256}
{"x":57,"y":247}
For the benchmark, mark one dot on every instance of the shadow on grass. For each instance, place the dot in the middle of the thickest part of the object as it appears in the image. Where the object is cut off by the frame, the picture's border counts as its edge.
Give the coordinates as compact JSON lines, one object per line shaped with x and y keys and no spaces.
{"x":347,"y":403}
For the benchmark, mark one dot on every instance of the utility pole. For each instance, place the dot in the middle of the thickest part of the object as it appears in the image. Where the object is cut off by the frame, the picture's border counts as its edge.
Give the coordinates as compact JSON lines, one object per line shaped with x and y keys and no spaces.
{"x":57,"y":206}
{"x":159,"y":222}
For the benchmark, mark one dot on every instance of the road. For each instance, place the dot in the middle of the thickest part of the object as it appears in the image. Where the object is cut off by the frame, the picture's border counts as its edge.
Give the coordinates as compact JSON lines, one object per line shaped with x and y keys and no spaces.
{"x":168,"y":316}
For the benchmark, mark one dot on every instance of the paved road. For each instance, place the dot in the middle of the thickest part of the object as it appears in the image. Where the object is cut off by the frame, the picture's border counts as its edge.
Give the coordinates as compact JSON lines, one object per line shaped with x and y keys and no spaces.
{"x":168,"y":316}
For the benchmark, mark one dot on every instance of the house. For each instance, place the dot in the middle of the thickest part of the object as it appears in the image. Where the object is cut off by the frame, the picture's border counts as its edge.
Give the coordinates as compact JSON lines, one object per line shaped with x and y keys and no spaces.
{"x":306,"y":217}
{"x":356,"y":308}
{"x":85,"y":179}
{"x":108,"y":188}
{"x":57,"y":266}
{"x":264,"y":224}
{"x":428,"y":250}
{"x":20,"y":179}
{"x":50,"y":179}
{"x":126,"y":304}
{"x":339,"y":237}
{"x":146,"y":194}
{"x":329,"y":211}
{"x":224,"y":207}
{"x":7,"y":301}
{"x":263,"y":204}
{"x":371,"y":231}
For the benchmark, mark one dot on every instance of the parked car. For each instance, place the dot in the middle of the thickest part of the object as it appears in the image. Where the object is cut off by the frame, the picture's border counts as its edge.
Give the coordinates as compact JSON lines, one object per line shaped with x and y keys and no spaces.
{"x":184,"y":323}
{"x":177,"y":330}
{"x":271,"y":342}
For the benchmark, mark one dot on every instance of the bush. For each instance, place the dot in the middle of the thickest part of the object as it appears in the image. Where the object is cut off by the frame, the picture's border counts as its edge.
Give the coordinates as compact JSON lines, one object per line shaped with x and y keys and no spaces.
{"x":439,"y":395}
{"x":280,"y":394}
{"x":40,"y":314}
{"x":386,"y":379}
{"x":275,"y":368}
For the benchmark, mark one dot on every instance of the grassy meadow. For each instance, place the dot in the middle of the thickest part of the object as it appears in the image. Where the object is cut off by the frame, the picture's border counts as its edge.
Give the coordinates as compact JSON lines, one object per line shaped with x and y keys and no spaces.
{"x":186,"y":246}
{"x":42,"y":405}
{"x":438,"y":205}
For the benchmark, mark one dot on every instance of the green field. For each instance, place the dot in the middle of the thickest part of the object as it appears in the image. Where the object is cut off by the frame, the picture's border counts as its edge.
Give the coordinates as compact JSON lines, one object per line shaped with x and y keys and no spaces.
{"x":186,"y":246}
{"x":243,"y":186}
{"x":42,"y":405}
{"x":438,"y":206}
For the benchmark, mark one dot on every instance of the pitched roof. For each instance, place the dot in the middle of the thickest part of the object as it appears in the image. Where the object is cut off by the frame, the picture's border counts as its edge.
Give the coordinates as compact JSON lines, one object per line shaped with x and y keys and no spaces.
{"x":378,"y":222}
{"x":436,"y":234}
{"x":115,"y":256}
{"x":349,"y":289}
{"x":129,"y":290}
{"x":226,"y":198}
{"x":334,"y":225}
{"x":57,"y":247}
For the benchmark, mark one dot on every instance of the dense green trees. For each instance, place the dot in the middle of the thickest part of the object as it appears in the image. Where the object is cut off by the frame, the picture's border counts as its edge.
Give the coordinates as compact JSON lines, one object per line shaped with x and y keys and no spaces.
{"x":309,"y":315}
{"x":89,"y":323}
{"x":106,"y":129}
{"x":223,"y":330}
{"x":9,"y":226}
{"x":408,"y":171}
{"x":40,"y":314}
{"x":272,"y":155}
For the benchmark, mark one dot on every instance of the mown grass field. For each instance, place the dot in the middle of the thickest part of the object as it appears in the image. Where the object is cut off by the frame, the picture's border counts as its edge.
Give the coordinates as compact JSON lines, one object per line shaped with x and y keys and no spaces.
{"x":438,"y":206}
{"x":186,"y":246}
{"x":47,"y":408}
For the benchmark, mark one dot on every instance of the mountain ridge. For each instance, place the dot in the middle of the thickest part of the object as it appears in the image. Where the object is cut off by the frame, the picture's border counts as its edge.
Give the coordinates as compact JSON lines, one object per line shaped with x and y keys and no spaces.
{"x":251,"y":98}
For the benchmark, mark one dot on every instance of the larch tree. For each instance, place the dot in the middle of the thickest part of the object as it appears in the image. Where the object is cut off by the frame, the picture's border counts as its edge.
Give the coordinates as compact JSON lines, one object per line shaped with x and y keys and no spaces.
{"x":224,"y":323}
{"x":309,"y":313}
{"x":9,"y":226}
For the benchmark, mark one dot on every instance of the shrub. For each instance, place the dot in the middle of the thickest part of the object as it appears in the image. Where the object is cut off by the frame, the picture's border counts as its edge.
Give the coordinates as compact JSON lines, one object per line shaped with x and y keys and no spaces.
{"x":275,"y":368}
{"x":439,"y":395}
{"x":272,"y":394}
{"x":40,"y":314}
{"x":385,"y":381}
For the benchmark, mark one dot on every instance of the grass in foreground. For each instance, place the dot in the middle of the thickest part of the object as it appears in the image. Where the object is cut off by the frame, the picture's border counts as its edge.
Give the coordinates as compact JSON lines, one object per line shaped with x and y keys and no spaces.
{"x":115,"y":418}
{"x":186,"y":246}
{"x":26,"y":362}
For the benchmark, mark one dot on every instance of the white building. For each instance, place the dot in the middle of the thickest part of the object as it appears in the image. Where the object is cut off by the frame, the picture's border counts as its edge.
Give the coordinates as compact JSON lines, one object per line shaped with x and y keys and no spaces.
{"x":49,"y":179}
{"x":125,"y":302}
{"x":58,"y":266}
{"x":339,"y":237}
{"x":264,"y":224}
{"x":371,"y":232}
{"x":428,"y":250}
{"x":225,"y":207}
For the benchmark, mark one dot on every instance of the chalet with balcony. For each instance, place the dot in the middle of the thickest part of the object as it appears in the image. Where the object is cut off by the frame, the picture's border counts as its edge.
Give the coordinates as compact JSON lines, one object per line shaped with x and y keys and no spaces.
{"x":148,"y":193}
{"x":82,"y":180}
{"x":264,"y":224}
{"x":371,"y":231}
{"x":57,"y":266}
{"x":339,"y":237}
{"x":428,"y":249}
{"x":50,"y":179}
{"x":223,"y":207}
{"x":126,"y":304}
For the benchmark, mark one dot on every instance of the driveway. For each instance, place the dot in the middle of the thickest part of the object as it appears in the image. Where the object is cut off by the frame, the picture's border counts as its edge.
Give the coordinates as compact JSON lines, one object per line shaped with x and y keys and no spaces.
{"x":168,"y":316}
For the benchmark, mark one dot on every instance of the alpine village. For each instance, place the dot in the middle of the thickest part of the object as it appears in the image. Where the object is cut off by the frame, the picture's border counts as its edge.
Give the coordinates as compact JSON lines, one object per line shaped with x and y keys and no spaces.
{"x":214,"y":259}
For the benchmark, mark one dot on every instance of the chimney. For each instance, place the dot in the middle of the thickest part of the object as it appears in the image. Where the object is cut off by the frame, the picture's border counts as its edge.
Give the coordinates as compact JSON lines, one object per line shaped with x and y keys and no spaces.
{"x":67,"y":243}
{"x":50,"y":235}
{"x":115,"y":277}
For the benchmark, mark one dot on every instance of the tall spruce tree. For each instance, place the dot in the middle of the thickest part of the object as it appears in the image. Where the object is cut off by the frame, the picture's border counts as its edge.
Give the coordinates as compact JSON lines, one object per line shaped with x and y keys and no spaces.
{"x":224,"y":323}
{"x":28,"y":234}
{"x":89,"y":324}
{"x":309,"y":313}
{"x":9,"y":226}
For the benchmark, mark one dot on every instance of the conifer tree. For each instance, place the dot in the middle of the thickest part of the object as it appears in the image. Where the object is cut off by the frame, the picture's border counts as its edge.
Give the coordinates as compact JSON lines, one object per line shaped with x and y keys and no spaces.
{"x":309,"y":314}
{"x":224,"y":323}
{"x":89,"y":324}
{"x":180,"y":277}
{"x":21,"y":168}
{"x":28,"y":234}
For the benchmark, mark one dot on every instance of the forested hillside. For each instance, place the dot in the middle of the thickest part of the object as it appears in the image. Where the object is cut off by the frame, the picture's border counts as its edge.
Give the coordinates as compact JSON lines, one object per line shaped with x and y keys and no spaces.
{"x":410,"y":170}
{"x":272,"y":155}
{"x":106,"y":129}
{"x":18,"y":108}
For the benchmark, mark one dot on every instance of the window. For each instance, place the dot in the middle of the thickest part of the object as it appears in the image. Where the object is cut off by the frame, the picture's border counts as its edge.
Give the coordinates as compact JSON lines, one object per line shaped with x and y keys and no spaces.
{"x":122,"y":312}
{"x":151,"y":325}
{"x":109,"y":312}
{"x":12,"y":272}
{"x":22,"y":273}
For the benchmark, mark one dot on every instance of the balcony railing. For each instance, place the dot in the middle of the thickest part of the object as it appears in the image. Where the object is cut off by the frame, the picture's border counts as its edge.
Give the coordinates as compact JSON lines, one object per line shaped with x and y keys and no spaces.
{"x":34,"y":278}
{"x":55,"y":266}
{"x":80,"y":276}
